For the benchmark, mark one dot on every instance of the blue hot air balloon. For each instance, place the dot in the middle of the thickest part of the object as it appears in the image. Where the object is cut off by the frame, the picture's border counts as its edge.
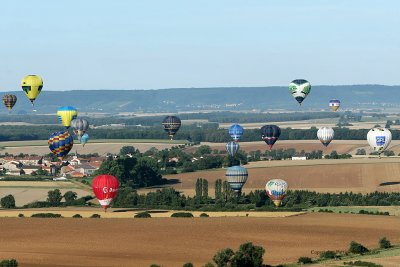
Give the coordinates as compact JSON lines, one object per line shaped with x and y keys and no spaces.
{"x":232,"y":148}
{"x":84,"y":139}
{"x":236,"y":131}
{"x":236,"y":177}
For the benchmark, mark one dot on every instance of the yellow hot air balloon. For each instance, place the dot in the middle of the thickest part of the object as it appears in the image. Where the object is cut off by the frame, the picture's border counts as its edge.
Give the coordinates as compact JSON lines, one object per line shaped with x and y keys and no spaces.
{"x":66,"y":114}
{"x":32,"y":86}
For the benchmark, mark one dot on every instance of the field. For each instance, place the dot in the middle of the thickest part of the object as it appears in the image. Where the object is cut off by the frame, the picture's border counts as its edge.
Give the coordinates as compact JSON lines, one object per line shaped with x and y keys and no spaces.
{"x":333,"y":176}
{"x":174,"y":241}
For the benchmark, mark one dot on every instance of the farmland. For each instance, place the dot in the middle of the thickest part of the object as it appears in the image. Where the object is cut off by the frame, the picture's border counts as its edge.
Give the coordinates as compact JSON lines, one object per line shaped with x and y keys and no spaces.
{"x":174,"y":241}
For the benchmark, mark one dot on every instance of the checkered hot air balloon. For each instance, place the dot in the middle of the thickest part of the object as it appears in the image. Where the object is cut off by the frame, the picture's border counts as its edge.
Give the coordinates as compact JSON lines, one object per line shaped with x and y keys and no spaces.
{"x":232,"y":148}
{"x":105,"y":187}
{"x":60,"y":143}
{"x":9,"y":101}
{"x":236,"y":131}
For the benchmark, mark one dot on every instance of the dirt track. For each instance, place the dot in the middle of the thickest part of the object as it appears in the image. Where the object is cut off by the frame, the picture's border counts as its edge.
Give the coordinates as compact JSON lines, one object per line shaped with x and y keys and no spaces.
{"x":172,"y":242}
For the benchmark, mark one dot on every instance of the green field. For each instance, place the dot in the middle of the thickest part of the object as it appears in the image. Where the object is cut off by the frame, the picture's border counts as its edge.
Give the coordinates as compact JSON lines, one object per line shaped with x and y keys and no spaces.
{"x":393,"y":210}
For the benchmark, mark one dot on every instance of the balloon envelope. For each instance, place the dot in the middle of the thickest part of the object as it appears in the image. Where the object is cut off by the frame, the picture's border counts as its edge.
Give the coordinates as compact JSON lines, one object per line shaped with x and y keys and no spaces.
{"x":32,"y":86}
{"x":379,"y":139}
{"x":60,"y":143}
{"x":9,"y":101}
{"x":66,"y":114}
{"x":325,"y":135}
{"x":84,"y":139}
{"x":270,"y":134}
{"x":299,"y":89}
{"x":276,"y":190}
{"x":236,"y":176}
{"x":236,"y":131}
{"x":80,"y":126}
{"x":105,"y":187}
{"x":334,"y":104}
{"x":171,"y":125}
{"x":232,"y":148}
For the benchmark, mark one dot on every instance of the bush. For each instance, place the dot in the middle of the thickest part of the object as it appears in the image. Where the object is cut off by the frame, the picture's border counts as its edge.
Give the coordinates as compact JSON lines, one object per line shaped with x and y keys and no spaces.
{"x":208,"y":264}
{"x":362,"y":263}
{"x":384,"y":243}
{"x":46,"y":215}
{"x":182,"y":215}
{"x":142,"y":215}
{"x":304,"y":260}
{"x":357,"y":248}
{"x":9,"y":263}
{"x":328,"y":255}
{"x":204,"y":215}
{"x":8,"y":202}
{"x":95,"y":216}
{"x":21,"y":215}
{"x":77,"y":216}
{"x":189,"y":264}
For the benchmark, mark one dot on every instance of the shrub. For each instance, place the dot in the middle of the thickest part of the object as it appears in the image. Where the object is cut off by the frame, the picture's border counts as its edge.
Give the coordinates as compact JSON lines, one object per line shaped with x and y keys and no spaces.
{"x":328,"y":255}
{"x":357,"y":248}
{"x":155,"y":265}
{"x":384,"y":243}
{"x":9,"y":263}
{"x":143,"y":215}
{"x":204,"y":215}
{"x":46,"y":215}
{"x":182,"y":215}
{"x":8,"y":202}
{"x":77,"y":216}
{"x":208,"y":264}
{"x":362,"y":263}
{"x":189,"y":264}
{"x":304,"y":260}
{"x":95,"y":216}
{"x":21,"y":215}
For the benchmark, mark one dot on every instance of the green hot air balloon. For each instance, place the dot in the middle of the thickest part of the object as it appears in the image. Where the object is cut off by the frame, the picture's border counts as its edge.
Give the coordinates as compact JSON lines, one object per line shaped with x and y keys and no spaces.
{"x":299,"y":89}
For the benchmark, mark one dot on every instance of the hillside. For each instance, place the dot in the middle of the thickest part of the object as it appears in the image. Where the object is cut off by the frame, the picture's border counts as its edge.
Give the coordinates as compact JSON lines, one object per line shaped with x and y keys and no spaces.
{"x":191,"y":99}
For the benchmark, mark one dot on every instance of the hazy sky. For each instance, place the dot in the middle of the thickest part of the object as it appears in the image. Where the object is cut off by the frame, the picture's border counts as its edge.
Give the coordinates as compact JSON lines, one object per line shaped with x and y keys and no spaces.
{"x":95,"y":44}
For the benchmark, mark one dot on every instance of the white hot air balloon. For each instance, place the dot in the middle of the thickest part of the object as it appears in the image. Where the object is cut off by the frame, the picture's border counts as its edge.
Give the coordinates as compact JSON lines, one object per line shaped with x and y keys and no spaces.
{"x":276,"y":190}
{"x":379,"y":139}
{"x":325,"y":135}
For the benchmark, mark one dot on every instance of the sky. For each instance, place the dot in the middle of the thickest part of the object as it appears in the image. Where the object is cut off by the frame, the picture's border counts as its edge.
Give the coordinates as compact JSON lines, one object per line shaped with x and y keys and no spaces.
{"x":132,"y":44}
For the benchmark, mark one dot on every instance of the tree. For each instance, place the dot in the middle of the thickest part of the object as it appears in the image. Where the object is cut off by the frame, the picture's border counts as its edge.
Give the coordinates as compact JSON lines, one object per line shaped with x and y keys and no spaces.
{"x":357,"y":248}
{"x":70,"y":196}
{"x":199,"y":188}
{"x":205,"y":189}
{"x":125,"y":150}
{"x":8,"y":202}
{"x":188,"y":264}
{"x":384,"y":243}
{"x":54,"y":197}
{"x":223,"y":257}
{"x":203,"y":150}
{"x":248,"y":255}
{"x":218,"y":189}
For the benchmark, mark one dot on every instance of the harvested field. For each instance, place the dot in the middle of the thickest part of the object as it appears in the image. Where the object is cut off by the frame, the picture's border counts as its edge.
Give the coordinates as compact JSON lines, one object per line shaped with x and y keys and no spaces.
{"x":357,"y":175}
{"x":174,"y":241}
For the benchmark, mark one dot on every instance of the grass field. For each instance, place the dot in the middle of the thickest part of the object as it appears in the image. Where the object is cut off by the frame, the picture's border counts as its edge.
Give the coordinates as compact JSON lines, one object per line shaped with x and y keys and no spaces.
{"x":174,"y":241}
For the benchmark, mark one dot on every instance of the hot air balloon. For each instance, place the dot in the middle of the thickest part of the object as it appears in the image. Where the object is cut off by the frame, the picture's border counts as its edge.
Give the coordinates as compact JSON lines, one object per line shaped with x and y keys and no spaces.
{"x":66,"y":114}
{"x":334,"y":104}
{"x":236,"y":131}
{"x":9,"y":101}
{"x":276,"y":190}
{"x":105,"y":187}
{"x":379,"y":139}
{"x":232,"y":148}
{"x":32,"y":86}
{"x":300,"y":89}
{"x":84,"y":139}
{"x":171,"y":125}
{"x":60,"y":143}
{"x":236,"y":177}
{"x":270,"y":134}
{"x":80,"y":126}
{"x":325,"y":135}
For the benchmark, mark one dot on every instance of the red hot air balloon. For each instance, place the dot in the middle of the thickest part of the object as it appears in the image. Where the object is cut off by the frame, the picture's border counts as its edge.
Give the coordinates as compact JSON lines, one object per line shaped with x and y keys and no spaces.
{"x":105,"y":187}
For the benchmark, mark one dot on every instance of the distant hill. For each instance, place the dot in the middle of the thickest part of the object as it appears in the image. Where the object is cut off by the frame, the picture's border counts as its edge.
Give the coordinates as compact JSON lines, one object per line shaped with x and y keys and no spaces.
{"x":192,"y":99}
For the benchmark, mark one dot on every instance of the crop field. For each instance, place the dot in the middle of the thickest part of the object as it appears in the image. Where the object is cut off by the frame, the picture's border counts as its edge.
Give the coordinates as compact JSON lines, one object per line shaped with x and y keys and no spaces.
{"x":174,"y":241}
{"x":332,"y":176}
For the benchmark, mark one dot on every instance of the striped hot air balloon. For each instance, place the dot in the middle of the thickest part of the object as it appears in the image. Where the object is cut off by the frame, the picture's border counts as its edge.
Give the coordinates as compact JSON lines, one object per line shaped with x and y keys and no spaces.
{"x":270,"y":134}
{"x":171,"y":125}
{"x":105,"y":187}
{"x":325,"y":135}
{"x":300,"y":89}
{"x":232,"y":148}
{"x":32,"y":86}
{"x":66,"y":114}
{"x":236,"y":177}
{"x":334,"y":104}
{"x":236,"y":131}
{"x":60,"y":143}
{"x":276,"y":190}
{"x":9,"y":101}
{"x":80,"y":126}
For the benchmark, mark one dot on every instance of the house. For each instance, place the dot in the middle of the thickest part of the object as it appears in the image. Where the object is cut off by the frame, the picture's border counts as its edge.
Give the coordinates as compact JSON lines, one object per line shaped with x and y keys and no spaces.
{"x":299,"y":158}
